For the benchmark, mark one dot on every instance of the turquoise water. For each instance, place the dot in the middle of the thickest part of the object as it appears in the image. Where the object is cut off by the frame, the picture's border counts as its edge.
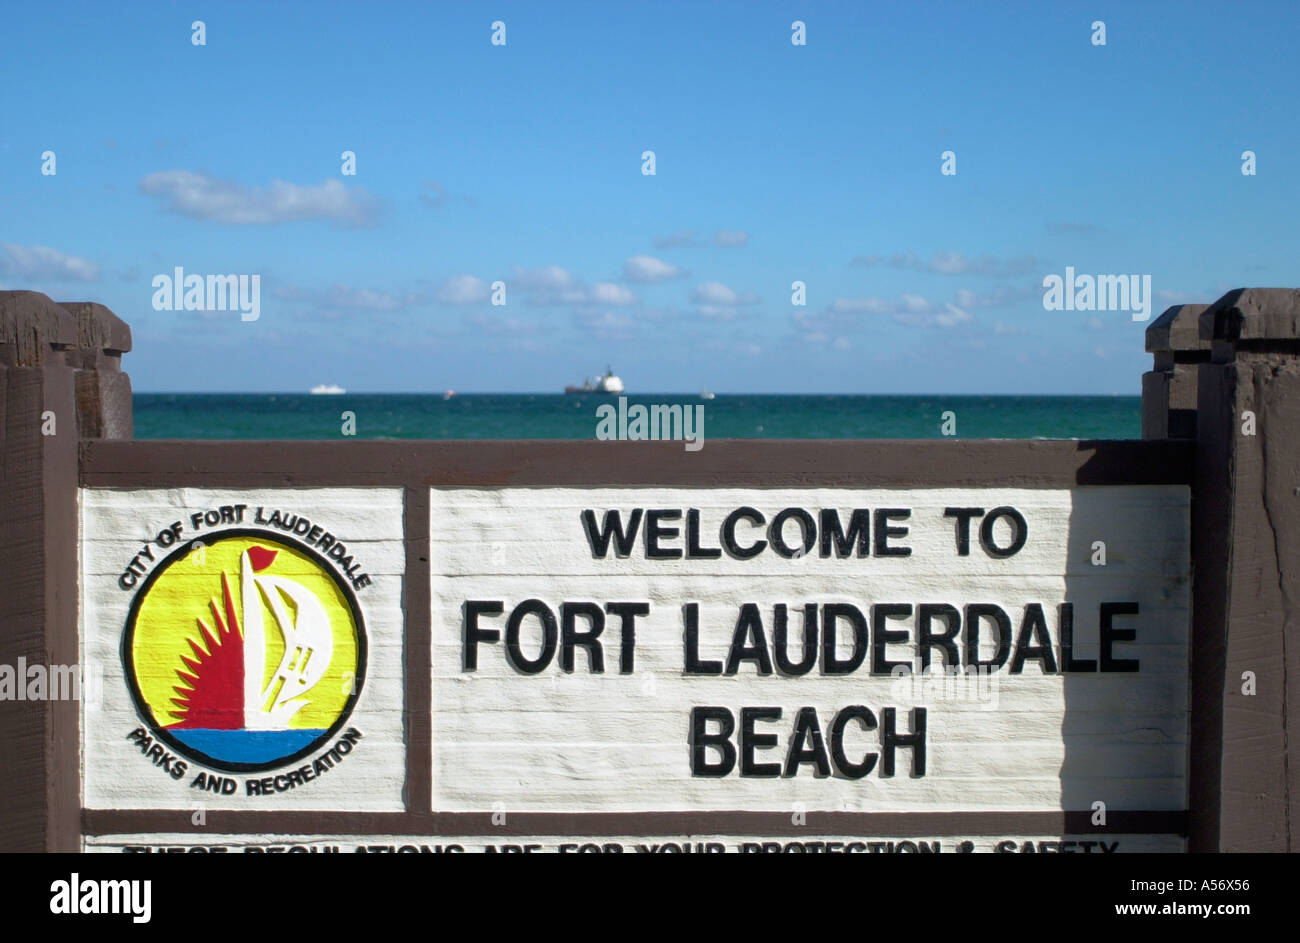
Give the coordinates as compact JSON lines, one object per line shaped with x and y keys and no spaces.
{"x":557,"y":416}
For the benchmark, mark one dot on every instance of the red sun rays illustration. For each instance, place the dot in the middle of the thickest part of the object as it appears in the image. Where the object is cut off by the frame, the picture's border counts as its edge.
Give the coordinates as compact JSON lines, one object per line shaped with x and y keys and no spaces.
{"x":211,"y":694}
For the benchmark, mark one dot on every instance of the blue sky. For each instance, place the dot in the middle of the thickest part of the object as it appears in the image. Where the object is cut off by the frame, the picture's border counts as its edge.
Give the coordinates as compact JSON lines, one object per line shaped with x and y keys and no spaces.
{"x":522,"y":163}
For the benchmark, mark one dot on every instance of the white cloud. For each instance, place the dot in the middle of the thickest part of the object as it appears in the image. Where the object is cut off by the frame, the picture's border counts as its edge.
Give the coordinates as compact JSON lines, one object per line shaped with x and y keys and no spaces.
{"x":952,"y":315}
{"x":550,"y":277}
{"x":607,"y":325}
{"x":748,"y":348}
{"x":899,"y":260}
{"x":920,"y":312}
{"x":951,"y":263}
{"x":42,"y":262}
{"x":549,"y":285}
{"x":552,"y":285}
{"x":716,"y":293}
{"x":340,"y":297}
{"x":954,"y":263}
{"x":846,"y":314}
{"x":682,"y":239}
{"x":462,"y":290}
{"x":609,"y":293}
{"x":364,"y":298}
{"x":690,"y":239}
{"x":861,"y":306}
{"x":999,"y":297}
{"x":491,"y":324}
{"x":200,"y":196}
{"x":645,"y":269}
{"x":728,"y":239}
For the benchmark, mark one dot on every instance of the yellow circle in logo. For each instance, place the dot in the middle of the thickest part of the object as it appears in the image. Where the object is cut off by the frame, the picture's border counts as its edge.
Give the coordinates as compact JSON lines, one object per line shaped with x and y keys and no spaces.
{"x":245,"y":652}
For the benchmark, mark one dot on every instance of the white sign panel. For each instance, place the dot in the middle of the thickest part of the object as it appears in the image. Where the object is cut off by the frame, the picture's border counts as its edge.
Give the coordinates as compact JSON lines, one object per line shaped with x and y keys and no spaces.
{"x":247,"y":649}
{"x":648,"y":649}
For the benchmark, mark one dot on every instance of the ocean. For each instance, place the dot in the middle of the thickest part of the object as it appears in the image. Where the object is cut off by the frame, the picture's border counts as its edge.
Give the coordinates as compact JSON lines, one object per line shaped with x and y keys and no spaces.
{"x":560,"y":416}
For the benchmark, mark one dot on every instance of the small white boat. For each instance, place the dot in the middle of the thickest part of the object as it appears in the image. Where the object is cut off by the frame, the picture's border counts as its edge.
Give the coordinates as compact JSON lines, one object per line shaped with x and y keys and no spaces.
{"x":706,"y":395}
{"x":449,"y":394}
{"x":327,"y":389}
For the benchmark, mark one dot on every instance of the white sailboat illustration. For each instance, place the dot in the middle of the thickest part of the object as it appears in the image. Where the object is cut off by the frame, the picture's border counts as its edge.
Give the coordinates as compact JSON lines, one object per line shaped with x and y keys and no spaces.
{"x":308,"y":647}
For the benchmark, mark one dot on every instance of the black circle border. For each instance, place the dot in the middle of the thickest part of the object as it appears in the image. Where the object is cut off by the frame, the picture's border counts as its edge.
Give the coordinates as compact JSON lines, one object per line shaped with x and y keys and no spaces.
{"x":146,"y":712}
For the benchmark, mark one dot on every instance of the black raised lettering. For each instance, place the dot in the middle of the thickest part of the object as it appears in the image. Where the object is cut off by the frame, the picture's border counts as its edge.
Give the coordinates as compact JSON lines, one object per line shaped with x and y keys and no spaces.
{"x":1110,"y":635}
{"x":807,"y":746}
{"x":471,"y":610}
{"x":612,"y":528}
{"x":974,"y":613}
{"x":691,"y":622}
{"x":571,"y":638}
{"x":832,"y":664}
{"x":842,"y":763}
{"x":1034,"y":626}
{"x":751,"y":741}
{"x":748,"y":642}
{"x":627,"y":613}
{"x":1019,"y":532}
{"x":780,"y":628}
{"x":881,"y":635}
{"x":807,"y":529}
{"x":656,"y":531}
{"x":963,"y":517}
{"x":833,"y":535}
{"x":514,"y":625}
{"x":927,"y":639}
{"x":693,"y":548}
{"x":721,"y":740}
{"x":729,"y":533}
{"x":883,"y":532}
{"x":891,"y":740}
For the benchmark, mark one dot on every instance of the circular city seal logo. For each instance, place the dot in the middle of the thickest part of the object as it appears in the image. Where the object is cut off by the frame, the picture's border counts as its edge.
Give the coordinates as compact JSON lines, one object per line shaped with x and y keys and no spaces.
{"x":246,"y":652}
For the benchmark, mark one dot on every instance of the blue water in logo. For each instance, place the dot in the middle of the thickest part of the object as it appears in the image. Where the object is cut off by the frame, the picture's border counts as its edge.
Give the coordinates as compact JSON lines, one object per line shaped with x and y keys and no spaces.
{"x":247,"y":746}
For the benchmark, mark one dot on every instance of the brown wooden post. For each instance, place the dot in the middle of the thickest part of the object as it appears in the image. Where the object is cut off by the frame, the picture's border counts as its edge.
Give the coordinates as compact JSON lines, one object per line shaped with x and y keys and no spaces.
{"x":1169,"y":389}
{"x":59,"y":375}
{"x":103,"y":390}
{"x":1246,"y":547}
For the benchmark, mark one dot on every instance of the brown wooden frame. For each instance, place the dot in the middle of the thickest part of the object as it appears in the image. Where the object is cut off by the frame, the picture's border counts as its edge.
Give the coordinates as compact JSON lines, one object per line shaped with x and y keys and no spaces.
{"x":417,"y":466}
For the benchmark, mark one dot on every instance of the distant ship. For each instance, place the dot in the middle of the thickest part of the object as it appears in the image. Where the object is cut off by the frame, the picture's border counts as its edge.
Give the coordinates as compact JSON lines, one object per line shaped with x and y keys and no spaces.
{"x":327,"y":390}
{"x":606,"y":384}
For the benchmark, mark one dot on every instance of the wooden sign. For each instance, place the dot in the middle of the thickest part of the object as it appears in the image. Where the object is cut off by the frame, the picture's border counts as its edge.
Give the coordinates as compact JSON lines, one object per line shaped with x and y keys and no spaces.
{"x":683,"y":650}
{"x":639,"y":649}
{"x":250,"y":645}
